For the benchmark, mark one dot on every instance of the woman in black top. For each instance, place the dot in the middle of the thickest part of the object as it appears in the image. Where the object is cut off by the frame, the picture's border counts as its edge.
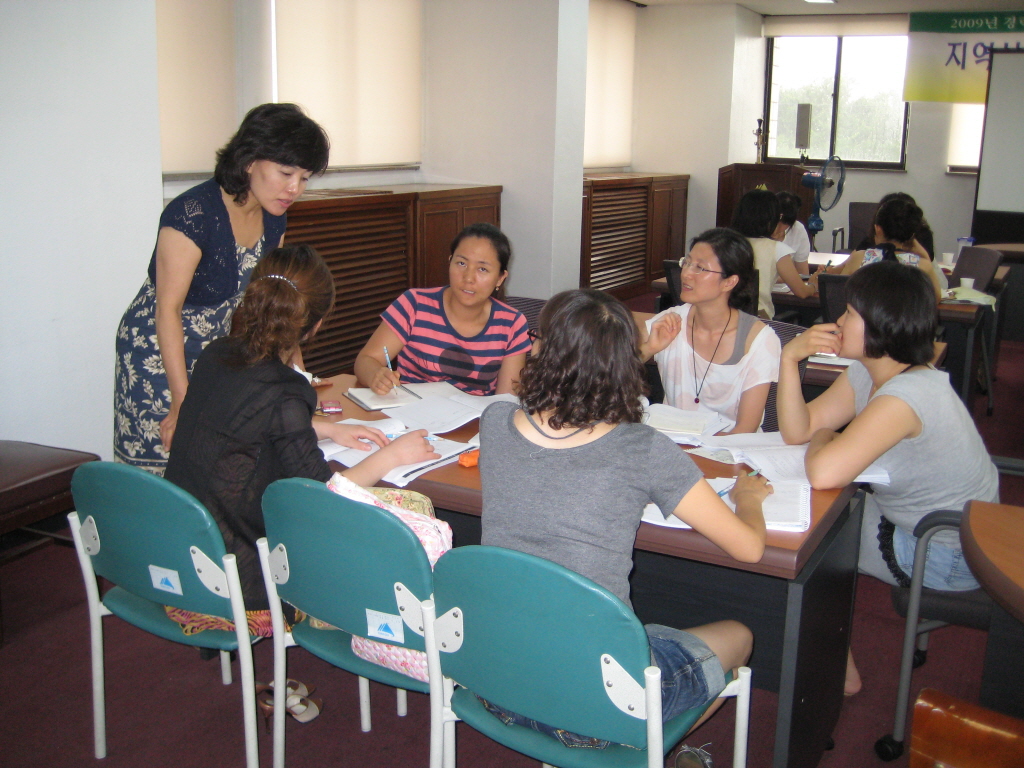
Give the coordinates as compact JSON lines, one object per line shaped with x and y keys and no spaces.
{"x":246,"y":419}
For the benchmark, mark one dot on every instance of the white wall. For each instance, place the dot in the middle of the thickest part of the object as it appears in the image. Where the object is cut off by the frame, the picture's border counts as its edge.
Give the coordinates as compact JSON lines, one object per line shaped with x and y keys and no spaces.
{"x":947,"y":200}
{"x":504,"y":96}
{"x":81,"y":149}
{"x":699,"y":86}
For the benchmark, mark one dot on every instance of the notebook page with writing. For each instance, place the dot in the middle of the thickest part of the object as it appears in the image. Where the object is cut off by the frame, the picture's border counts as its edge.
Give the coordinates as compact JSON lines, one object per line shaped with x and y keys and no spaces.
{"x":787,"y":509}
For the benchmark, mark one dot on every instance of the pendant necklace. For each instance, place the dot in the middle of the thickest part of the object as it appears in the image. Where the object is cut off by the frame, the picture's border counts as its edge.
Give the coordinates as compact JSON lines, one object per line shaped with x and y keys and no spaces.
{"x":693,"y":354}
{"x":552,"y":437}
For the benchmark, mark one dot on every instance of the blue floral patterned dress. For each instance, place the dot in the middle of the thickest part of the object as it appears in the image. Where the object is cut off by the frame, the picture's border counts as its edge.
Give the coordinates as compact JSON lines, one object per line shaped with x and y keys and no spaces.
{"x":142,"y":395}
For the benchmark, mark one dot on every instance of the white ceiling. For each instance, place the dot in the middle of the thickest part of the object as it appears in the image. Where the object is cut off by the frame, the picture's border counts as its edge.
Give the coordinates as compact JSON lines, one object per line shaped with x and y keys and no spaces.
{"x":800,"y":7}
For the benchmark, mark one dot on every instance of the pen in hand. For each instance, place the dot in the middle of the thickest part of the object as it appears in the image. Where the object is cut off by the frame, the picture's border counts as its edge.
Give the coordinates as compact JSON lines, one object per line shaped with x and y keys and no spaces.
{"x":725,"y":491}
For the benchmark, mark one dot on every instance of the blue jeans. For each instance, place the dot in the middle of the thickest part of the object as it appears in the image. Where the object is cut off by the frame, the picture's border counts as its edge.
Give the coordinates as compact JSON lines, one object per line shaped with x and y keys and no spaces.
{"x":691,"y":676}
{"x":945,"y":568}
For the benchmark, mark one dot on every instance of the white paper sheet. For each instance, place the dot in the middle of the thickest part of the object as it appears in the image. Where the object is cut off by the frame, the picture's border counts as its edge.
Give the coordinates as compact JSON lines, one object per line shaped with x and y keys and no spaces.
{"x":435,"y":414}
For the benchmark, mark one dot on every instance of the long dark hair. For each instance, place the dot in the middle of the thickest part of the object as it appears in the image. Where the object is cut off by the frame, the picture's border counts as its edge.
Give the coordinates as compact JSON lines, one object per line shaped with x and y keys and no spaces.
{"x":291,"y":290}
{"x":281,"y":133}
{"x":736,"y":257}
{"x":757,"y":214}
{"x":588,"y":368}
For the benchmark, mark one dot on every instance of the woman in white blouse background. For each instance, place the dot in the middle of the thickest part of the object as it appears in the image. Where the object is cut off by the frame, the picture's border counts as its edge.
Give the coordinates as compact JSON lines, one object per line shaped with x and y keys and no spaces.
{"x":712,"y":356}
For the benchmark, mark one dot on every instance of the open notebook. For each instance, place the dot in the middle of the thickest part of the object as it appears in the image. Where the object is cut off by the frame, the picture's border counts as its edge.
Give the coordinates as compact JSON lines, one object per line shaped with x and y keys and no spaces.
{"x":787,"y":509}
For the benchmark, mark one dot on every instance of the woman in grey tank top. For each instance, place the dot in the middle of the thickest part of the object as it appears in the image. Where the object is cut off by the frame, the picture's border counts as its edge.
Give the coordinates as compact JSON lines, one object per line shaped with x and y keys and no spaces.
{"x":898,"y":412}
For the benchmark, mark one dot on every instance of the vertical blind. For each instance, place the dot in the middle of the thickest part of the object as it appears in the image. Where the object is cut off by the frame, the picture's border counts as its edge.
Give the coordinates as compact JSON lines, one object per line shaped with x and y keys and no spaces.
{"x":608,"y":127}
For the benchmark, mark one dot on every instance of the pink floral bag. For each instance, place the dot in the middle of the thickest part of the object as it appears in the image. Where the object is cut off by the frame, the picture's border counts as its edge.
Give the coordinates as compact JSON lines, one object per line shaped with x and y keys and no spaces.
{"x":417,"y":512}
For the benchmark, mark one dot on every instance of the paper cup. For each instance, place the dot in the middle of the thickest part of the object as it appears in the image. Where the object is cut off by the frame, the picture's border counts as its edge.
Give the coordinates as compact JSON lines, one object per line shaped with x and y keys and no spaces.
{"x":967,"y":282}
{"x":947,"y":259}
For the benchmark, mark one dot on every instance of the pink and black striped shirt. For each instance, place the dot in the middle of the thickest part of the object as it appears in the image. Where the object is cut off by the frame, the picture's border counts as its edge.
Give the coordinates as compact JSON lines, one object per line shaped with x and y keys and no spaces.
{"x":435,"y":351}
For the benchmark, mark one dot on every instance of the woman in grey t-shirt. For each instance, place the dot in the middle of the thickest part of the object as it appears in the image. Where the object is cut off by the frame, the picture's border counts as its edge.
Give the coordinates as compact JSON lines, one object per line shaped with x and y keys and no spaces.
{"x":900,"y":413}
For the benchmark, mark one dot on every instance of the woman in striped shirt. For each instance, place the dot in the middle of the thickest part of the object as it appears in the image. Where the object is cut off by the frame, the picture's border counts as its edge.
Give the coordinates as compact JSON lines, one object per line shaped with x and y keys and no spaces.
{"x":458,"y":333}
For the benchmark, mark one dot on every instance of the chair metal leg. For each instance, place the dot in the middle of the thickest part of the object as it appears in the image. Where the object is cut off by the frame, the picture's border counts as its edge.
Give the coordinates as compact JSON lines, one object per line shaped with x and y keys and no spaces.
{"x":96,"y":613}
{"x":248,"y":683}
{"x":449,"y":724}
{"x":225,"y":667}
{"x":742,"y":728}
{"x":364,"y":704}
{"x":652,"y":704}
{"x":986,"y":367}
{"x":403,"y":701}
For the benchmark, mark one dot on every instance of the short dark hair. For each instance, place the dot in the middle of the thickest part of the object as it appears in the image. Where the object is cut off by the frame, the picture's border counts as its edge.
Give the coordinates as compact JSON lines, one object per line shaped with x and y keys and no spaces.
{"x":898,"y":305}
{"x":489,"y":232}
{"x":588,"y":368}
{"x":789,"y":206}
{"x":291,"y":290}
{"x":736,"y":257}
{"x":281,"y":133}
{"x":757,"y":214}
{"x":899,"y":219}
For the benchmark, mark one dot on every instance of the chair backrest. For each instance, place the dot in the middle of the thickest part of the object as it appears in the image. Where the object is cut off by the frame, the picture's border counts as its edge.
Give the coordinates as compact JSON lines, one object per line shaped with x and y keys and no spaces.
{"x":672,"y":273}
{"x":143,"y":533}
{"x":832,"y":290}
{"x":862,"y":222}
{"x":529,"y":307}
{"x":979,"y":263}
{"x":786,"y":333}
{"x":344,"y":557}
{"x":534,"y":637}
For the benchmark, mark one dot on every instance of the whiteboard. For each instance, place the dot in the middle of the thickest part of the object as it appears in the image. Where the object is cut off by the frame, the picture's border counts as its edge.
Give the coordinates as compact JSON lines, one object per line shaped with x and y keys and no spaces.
{"x":1001,"y":175}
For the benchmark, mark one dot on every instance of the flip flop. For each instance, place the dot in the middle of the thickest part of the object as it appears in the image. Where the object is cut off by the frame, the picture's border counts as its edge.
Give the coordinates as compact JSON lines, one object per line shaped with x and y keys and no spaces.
{"x":292,"y":688}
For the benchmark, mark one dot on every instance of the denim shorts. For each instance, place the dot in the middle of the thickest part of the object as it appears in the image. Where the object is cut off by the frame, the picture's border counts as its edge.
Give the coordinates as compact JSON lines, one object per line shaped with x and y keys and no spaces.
{"x":691,"y":676}
{"x":945,"y":567}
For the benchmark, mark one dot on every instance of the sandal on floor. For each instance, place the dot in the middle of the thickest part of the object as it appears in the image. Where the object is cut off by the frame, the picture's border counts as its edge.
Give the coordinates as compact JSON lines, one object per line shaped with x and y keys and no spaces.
{"x":293,"y":688}
{"x":302,"y":708}
{"x":688,"y":757}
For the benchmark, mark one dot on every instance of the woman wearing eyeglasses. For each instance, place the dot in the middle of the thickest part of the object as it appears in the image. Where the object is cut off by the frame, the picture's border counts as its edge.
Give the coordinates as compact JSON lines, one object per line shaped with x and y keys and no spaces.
{"x":712,"y":356}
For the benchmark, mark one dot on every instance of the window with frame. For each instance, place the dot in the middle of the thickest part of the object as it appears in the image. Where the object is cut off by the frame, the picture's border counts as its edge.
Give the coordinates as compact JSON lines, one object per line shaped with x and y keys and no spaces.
{"x":854,"y":85}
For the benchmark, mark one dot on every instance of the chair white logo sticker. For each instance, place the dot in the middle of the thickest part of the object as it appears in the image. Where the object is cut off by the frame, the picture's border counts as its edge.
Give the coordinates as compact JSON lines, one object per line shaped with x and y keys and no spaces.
{"x":165,"y":579}
{"x":385,"y":626}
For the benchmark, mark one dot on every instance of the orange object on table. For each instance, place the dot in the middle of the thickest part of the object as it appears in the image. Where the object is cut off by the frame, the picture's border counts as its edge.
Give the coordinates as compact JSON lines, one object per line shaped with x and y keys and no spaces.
{"x":469,"y":458}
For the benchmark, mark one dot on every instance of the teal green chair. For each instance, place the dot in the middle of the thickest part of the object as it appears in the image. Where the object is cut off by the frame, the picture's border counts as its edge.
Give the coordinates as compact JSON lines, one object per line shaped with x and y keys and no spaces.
{"x":158,"y":546}
{"x":355,"y":566}
{"x":538,"y":639}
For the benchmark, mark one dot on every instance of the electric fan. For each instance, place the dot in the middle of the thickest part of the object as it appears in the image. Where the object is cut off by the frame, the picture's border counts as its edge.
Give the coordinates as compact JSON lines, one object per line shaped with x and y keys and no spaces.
{"x":828,"y":188}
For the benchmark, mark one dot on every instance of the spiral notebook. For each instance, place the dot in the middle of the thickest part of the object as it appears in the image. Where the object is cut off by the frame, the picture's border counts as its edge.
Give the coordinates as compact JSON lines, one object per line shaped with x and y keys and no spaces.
{"x":787,"y":509}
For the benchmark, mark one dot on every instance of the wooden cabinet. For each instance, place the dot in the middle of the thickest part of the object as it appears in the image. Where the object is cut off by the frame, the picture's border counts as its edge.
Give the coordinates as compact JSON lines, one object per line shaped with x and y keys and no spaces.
{"x":632,"y":222}
{"x":737,"y":179}
{"x":378,"y":242}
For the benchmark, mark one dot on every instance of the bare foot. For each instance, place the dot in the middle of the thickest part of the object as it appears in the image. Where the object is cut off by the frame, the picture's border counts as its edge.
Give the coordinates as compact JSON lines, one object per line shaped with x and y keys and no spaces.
{"x":853,"y":682}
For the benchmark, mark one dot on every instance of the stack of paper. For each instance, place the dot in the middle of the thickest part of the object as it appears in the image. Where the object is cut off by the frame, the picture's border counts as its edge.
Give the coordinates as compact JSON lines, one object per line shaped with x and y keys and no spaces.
{"x":787,"y":509}
{"x":829,"y":360}
{"x":683,"y":427}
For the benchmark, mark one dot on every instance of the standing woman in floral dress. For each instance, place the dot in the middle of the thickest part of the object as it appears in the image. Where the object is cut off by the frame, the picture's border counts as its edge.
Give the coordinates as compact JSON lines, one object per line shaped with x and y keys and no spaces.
{"x":209,"y":240}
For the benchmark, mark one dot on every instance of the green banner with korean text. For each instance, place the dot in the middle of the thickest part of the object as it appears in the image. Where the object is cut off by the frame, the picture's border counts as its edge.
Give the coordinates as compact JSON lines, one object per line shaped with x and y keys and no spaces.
{"x":948,"y":54}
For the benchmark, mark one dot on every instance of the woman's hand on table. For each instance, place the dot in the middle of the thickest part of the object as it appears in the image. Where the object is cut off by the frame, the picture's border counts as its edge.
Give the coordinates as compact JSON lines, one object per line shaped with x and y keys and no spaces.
{"x":751,"y":489}
{"x":412,"y":448}
{"x":355,"y":435}
{"x":824,"y":338}
{"x":384,"y":380}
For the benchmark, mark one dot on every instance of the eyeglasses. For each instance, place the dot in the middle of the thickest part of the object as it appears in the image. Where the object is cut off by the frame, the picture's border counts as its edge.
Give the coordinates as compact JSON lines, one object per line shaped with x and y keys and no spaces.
{"x":687,"y":263}
{"x":533,"y":334}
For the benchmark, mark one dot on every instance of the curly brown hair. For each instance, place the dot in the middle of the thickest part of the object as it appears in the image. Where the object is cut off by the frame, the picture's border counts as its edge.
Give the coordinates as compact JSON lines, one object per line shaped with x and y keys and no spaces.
{"x":588,"y":368}
{"x":291,"y":290}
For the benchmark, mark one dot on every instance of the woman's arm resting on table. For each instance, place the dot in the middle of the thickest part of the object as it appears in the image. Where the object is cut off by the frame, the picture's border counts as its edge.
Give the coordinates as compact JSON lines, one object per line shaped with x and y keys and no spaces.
{"x":410,"y":448}
{"x":833,"y":460}
{"x":176,"y":260}
{"x":789,"y":275}
{"x":799,"y":420}
{"x":508,"y":374}
{"x":663,"y":332}
{"x":751,"y":410}
{"x":741,"y":535}
{"x":349,"y":435}
{"x":371,"y":366}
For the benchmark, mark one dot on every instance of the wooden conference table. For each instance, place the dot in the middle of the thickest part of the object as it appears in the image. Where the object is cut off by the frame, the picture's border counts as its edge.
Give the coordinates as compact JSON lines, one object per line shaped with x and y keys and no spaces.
{"x":798,"y":600}
{"x":992,"y":536}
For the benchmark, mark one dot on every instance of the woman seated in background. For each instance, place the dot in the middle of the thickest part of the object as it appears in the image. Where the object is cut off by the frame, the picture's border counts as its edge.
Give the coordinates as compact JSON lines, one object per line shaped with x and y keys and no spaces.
{"x":246,"y":419}
{"x":712,"y":356}
{"x":794,"y":233}
{"x":567,"y":474}
{"x":896,"y":223}
{"x":897,"y":411}
{"x":458,"y":333}
{"x":758,"y":218}
{"x":924,"y":234}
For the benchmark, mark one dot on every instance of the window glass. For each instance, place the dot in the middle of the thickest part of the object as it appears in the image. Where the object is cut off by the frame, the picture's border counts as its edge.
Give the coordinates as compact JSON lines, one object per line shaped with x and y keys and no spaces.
{"x":869,"y":125}
{"x":803,"y":71}
{"x":965,"y":135}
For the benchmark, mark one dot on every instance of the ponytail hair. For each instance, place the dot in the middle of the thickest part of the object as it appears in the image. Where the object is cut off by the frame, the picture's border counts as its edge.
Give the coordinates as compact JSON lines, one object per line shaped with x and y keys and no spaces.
{"x":291,"y":290}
